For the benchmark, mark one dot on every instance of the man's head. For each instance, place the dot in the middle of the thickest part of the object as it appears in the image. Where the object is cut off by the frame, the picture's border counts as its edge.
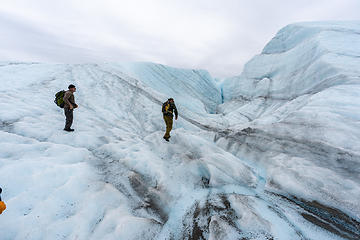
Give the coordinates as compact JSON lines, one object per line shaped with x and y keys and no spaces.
{"x":171,"y":100}
{"x":72,"y":88}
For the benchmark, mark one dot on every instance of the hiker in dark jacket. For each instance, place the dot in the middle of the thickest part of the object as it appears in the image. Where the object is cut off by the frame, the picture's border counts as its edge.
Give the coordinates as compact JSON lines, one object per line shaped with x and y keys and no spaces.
{"x":2,"y":204}
{"x":69,"y":105}
{"x":168,"y":108}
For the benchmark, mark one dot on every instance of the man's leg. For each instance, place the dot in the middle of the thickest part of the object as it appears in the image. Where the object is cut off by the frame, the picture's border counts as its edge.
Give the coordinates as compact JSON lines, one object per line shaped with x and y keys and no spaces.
{"x":166,"y":132}
{"x":169,"y":123}
{"x":69,"y":118}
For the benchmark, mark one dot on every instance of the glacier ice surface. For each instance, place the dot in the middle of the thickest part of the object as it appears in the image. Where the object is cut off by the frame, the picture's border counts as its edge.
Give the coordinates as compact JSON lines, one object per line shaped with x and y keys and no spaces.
{"x":269,"y":154}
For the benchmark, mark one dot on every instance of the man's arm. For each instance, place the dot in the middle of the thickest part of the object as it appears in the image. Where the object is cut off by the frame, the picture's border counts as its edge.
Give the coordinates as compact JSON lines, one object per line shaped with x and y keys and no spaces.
{"x":176,"y":112}
{"x":66,"y":99}
{"x":74,"y":104}
{"x":163,"y":108}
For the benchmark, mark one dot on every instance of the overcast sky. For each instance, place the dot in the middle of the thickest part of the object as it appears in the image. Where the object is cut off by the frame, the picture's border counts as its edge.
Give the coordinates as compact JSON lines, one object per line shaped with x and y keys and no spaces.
{"x":217,"y":35}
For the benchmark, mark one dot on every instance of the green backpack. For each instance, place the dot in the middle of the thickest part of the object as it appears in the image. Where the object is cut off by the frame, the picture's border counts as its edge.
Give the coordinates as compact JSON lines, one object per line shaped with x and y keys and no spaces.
{"x":59,"y":98}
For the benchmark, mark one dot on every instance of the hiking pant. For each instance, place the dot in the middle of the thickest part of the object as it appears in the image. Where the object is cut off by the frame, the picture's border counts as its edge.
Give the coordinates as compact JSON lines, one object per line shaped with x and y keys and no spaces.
{"x":69,"y":117}
{"x":169,"y":122}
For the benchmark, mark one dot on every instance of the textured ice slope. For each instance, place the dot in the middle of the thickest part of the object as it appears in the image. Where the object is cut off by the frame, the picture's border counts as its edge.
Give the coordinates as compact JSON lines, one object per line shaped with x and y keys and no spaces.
{"x":114,"y":177}
{"x":302,"y":106}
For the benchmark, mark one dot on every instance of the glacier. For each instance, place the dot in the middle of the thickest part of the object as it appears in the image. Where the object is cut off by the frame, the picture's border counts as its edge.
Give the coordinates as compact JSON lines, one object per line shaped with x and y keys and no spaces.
{"x":303,"y":89}
{"x":270,"y":154}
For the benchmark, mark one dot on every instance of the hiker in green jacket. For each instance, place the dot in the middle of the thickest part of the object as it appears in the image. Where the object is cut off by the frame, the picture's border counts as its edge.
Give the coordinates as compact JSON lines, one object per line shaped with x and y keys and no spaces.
{"x":69,"y":105}
{"x":168,"y":108}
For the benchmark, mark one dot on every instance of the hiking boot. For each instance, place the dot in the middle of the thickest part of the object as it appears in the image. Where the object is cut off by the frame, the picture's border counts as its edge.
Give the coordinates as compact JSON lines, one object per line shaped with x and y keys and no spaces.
{"x":69,"y":129}
{"x":166,"y":139}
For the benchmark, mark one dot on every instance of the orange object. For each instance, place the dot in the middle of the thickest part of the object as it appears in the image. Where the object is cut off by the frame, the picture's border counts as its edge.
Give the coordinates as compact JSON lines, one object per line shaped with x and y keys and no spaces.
{"x":2,"y":206}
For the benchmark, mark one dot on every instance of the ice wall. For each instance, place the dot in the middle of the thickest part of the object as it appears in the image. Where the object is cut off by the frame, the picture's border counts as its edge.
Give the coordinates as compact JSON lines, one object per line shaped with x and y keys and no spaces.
{"x":194,"y":89}
{"x":303,"y":58}
{"x":301,"y":106}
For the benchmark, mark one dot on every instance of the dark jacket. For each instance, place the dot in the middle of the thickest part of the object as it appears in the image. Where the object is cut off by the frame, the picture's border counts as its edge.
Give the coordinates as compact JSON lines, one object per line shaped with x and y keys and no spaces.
{"x":169,"y":108}
{"x":69,"y":99}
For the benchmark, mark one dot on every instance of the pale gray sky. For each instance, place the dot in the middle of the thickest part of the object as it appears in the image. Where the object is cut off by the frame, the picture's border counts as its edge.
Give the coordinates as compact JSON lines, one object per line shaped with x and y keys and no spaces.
{"x":217,"y":35}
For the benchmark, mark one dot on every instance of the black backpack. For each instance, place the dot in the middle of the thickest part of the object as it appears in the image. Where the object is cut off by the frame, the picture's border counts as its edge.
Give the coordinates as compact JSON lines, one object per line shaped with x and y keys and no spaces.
{"x":59,"y":98}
